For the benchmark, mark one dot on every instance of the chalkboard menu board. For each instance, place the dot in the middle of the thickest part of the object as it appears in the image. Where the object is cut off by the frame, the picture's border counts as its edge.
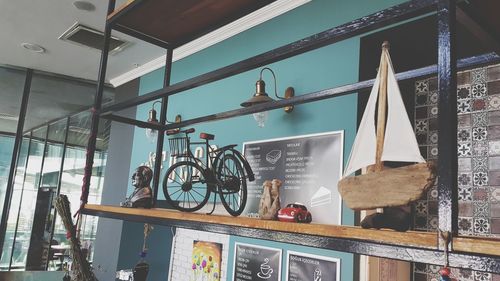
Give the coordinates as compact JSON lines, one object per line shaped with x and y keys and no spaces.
{"x":309,"y":167}
{"x":306,"y":267}
{"x":256,"y":263}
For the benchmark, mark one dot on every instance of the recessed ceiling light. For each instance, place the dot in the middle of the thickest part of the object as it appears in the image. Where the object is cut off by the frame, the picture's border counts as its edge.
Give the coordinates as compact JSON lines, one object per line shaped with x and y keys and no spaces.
{"x":33,"y":47}
{"x":84,"y":5}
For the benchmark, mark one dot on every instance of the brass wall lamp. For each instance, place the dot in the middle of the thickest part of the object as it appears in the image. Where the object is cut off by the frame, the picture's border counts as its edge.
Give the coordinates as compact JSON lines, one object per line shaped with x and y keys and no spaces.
{"x":152,"y":134}
{"x":260,"y":96}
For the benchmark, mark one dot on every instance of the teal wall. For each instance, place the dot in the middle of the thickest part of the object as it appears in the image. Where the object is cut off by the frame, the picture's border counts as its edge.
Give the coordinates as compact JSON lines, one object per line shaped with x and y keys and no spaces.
{"x":324,"y":68}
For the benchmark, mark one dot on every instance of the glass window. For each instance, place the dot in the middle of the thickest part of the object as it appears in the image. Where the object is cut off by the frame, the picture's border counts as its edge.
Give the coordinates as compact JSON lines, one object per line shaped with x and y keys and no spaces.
{"x":16,"y":199}
{"x":11,"y":92}
{"x":33,"y":228}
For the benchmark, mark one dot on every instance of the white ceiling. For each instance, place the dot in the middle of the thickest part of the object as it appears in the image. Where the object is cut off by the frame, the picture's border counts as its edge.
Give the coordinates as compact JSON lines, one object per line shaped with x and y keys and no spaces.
{"x":43,"y":21}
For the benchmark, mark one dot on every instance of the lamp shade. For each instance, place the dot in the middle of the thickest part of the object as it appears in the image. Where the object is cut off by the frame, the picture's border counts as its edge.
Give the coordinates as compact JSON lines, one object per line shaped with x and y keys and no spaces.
{"x":260,"y":95}
{"x":256,"y":100}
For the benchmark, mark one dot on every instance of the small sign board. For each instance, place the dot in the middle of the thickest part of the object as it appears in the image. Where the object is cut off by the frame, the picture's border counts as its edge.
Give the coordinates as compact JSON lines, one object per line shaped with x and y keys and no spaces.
{"x":307,"y":267}
{"x":309,"y":167}
{"x":256,"y":263}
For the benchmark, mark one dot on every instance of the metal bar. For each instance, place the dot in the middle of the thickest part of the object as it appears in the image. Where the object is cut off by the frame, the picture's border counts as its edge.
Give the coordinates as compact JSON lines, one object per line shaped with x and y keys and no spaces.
{"x":15,"y":155}
{"x":144,"y":37}
{"x":333,"y":92}
{"x":20,"y":201}
{"x":163,"y":122}
{"x":463,"y":64}
{"x":45,"y":141}
{"x":94,"y":125}
{"x":126,"y":120}
{"x":399,"y":252}
{"x":345,"y":31}
{"x":59,"y":183}
{"x":447,"y":107}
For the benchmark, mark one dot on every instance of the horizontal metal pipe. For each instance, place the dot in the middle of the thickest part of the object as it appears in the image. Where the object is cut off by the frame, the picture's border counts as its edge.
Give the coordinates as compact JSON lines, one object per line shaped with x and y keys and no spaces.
{"x":334,"y":92}
{"x":140,"y":124}
{"x":462,"y":64}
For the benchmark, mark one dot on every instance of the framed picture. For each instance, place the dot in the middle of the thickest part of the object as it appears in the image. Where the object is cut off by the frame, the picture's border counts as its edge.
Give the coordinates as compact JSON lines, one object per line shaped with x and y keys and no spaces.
{"x":253,"y":262}
{"x":306,"y":267}
{"x":206,"y":261}
{"x":309,"y":167}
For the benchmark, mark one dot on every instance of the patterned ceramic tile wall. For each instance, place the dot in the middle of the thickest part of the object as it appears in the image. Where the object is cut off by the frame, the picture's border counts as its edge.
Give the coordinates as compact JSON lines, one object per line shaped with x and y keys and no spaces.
{"x":478,"y":112}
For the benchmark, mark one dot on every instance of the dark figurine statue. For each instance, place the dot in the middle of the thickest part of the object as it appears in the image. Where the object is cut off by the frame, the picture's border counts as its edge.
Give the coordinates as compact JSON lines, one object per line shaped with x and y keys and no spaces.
{"x":142,"y":197}
{"x":393,"y":218}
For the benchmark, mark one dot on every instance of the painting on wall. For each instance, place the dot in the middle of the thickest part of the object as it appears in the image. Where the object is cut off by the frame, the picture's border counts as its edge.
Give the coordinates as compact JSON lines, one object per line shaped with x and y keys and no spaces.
{"x":206,"y":261}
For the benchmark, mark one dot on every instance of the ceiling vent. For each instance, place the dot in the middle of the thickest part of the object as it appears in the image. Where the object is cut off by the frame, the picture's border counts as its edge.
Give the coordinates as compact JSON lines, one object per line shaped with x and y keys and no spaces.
{"x":85,"y":36}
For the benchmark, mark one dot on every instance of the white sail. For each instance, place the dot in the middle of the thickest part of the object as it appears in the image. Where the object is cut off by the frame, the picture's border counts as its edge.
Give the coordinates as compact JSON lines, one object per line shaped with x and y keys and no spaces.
{"x":400,"y":143}
{"x":365,"y":144}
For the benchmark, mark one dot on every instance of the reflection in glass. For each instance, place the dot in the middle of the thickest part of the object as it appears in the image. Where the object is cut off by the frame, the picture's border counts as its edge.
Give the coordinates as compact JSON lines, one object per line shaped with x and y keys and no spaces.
{"x":20,"y":174}
{"x":28,"y":200}
{"x":5,"y":158}
{"x":30,"y":240}
{"x":41,"y":232}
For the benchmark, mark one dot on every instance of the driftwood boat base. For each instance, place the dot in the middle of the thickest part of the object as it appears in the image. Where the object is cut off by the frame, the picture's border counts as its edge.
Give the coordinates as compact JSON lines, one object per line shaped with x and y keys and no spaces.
{"x":387,"y":188}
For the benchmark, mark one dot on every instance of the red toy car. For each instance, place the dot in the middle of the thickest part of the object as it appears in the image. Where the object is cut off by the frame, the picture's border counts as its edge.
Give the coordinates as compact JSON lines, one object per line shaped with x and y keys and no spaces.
{"x":295,"y":212}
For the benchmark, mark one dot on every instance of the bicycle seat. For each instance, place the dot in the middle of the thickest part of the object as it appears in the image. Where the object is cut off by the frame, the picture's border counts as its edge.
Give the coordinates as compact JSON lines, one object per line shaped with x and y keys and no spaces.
{"x":206,"y":136}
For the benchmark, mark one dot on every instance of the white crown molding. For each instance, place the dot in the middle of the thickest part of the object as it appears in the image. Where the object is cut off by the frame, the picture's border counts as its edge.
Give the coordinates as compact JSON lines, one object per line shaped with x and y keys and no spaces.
{"x":264,"y":14}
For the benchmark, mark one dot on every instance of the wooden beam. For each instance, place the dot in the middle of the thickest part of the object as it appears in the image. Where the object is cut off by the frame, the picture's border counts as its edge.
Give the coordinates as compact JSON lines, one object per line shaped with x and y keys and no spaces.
{"x":478,"y":29}
{"x":417,"y":239}
{"x":410,"y":238}
{"x":470,"y":253}
{"x":486,"y":246}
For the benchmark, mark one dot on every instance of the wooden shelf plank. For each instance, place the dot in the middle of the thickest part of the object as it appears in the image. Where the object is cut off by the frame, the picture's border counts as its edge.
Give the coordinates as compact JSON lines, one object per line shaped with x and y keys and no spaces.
{"x":409,"y":246}
{"x":485,"y":246}
{"x":177,"y":22}
{"x":410,"y":238}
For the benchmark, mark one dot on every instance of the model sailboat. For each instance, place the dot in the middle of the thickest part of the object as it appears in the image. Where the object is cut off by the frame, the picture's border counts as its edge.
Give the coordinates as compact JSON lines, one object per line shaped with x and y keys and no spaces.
{"x":393,"y":140}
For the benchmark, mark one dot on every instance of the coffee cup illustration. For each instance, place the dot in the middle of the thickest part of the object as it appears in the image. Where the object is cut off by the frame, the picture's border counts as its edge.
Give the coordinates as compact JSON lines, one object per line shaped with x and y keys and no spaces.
{"x":265,"y":270}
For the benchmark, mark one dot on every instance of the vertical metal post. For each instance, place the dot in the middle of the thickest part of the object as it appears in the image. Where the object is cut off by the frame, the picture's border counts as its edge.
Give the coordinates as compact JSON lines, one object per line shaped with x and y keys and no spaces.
{"x":447,"y":143}
{"x":94,"y":124}
{"x":43,"y":157}
{"x":163,"y":121}
{"x":58,"y":191}
{"x":21,"y":199}
{"x":15,"y":156}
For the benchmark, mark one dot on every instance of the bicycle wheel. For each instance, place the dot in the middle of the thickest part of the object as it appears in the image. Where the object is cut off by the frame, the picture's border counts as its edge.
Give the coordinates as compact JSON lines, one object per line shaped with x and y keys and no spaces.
{"x":233,"y":185}
{"x":185,"y":186}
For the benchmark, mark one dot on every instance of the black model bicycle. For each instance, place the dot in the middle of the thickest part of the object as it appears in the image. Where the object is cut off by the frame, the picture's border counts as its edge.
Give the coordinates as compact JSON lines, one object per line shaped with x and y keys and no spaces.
{"x":188,"y":183}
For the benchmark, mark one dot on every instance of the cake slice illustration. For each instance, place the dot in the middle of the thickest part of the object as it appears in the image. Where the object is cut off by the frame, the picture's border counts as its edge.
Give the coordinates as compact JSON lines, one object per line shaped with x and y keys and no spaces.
{"x":321,"y":197}
{"x":273,"y":156}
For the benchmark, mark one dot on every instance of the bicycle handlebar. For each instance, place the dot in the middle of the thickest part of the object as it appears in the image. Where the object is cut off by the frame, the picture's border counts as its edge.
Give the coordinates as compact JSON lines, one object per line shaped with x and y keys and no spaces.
{"x":177,"y":131}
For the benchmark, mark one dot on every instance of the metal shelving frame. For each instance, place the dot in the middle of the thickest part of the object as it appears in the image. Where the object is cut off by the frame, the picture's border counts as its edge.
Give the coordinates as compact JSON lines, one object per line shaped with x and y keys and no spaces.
{"x":446,"y":70}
